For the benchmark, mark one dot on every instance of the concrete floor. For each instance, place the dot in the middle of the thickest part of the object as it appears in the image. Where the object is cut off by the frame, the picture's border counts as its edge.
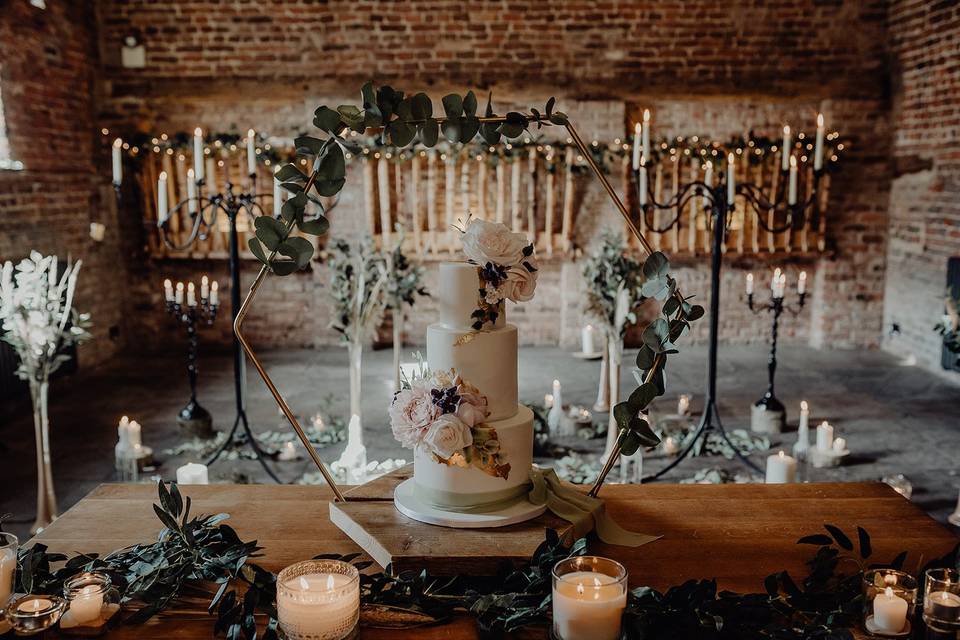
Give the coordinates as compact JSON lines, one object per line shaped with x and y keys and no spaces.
{"x":896,"y":419}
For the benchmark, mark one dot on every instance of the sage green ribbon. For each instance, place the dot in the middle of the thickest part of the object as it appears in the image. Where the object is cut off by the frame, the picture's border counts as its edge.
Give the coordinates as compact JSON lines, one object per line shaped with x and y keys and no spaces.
{"x":470,"y":502}
{"x":582,"y":511}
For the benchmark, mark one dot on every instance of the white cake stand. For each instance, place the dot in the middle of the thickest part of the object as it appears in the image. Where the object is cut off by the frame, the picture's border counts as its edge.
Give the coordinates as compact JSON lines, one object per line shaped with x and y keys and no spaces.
{"x":407,"y":503}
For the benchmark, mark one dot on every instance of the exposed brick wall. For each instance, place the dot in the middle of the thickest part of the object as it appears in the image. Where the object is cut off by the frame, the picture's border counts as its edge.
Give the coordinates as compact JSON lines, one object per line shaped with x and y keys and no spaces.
{"x":712,"y":70}
{"x":925,"y":194}
{"x":48,"y":62}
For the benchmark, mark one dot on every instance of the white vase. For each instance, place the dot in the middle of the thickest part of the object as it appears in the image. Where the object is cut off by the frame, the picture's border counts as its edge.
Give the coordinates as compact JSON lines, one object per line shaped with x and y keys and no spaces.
{"x":615,"y":360}
{"x":356,"y":358}
{"x":46,"y":498}
{"x":603,"y":391}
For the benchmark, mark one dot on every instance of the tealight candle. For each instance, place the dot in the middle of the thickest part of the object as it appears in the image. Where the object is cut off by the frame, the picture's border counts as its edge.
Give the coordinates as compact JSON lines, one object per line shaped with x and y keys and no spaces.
{"x":889,"y":612}
{"x":318,"y":599}
{"x":589,"y":596}
{"x":781,"y":468}
{"x":941,"y":604}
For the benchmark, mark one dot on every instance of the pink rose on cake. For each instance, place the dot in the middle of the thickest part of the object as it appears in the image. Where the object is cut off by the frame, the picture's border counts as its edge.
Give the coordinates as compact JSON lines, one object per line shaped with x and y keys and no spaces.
{"x":493,"y":242}
{"x":472,"y":409}
{"x":447,"y":435}
{"x":411,"y":414}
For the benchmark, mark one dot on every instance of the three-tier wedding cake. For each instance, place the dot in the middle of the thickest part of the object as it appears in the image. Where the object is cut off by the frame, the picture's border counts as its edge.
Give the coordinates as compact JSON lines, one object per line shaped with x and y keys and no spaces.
{"x":472,"y":441}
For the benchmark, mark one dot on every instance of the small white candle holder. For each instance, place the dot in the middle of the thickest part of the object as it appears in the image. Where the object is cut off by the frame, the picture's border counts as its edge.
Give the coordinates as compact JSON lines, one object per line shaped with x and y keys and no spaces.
{"x":318,"y":600}
{"x":589,"y":596}
{"x":889,"y":600}
{"x":941,"y":601}
{"x":92,"y":602}
{"x":34,"y":614}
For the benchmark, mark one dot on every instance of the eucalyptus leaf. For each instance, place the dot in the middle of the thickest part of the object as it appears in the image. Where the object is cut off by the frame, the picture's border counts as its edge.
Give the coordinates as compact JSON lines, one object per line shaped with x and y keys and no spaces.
{"x":317,"y":227}
{"x":327,"y":119}
{"x":429,"y":133}
{"x":452,"y":105}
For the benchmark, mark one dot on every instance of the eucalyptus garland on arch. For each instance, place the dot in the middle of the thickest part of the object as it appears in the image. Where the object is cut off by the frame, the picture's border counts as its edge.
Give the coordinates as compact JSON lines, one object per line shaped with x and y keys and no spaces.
{"x":401,"y":119}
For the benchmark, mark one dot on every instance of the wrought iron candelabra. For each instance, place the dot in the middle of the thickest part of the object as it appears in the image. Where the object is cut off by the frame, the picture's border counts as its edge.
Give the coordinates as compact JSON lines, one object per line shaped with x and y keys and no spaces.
{"x":772,"y":408}
{"x":203,"y":212}
{"x":775,"y":213}
{"x":194,"y":313}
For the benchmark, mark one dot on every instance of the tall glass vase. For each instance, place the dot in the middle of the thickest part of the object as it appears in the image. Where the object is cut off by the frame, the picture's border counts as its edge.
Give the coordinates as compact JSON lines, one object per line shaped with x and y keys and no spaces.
{"x":356,"y":358}
{"x":46,"y":498}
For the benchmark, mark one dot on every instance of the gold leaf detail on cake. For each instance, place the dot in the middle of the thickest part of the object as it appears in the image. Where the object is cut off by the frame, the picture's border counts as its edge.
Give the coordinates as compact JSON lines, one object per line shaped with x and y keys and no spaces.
{"x":465,"y":338}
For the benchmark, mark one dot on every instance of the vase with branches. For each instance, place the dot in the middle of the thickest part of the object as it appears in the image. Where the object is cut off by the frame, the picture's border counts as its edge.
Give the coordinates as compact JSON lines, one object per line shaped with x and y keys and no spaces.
{"x":38,"y":320}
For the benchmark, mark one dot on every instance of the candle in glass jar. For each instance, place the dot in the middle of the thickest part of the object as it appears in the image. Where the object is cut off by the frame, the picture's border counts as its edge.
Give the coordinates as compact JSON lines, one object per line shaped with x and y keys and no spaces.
{"x":889,"y":612}
{"x":86,"y":606}
{"x":588,"y":606}
{"x":8,"y":567}
{"x":943,"y":606}
{"x":318,"y":605}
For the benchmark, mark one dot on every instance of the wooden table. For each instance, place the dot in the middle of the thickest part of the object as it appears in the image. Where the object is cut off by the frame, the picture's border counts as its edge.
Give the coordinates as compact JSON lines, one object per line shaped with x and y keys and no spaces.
{"x":737,"y":534}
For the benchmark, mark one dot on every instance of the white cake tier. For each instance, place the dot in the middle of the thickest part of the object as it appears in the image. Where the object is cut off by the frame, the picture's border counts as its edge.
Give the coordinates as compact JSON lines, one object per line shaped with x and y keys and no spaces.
{"x":458,"y":295}
{"x":454,"y":488}
{"x":488,"y":361}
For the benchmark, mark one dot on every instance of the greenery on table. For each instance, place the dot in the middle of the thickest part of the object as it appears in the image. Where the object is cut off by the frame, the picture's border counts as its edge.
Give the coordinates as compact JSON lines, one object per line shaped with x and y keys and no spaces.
{"x":825,"y":604}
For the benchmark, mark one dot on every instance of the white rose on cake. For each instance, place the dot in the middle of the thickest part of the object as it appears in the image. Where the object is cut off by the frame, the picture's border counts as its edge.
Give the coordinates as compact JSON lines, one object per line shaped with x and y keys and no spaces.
{"x":485,"y":242}
{"x":411,"y":413}
{"x":447,"y":435}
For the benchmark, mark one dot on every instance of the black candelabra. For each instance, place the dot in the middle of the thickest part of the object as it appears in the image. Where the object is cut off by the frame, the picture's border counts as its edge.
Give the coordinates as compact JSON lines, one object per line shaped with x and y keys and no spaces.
{"x":775,"y":214}
{"x":769,"y":409}
{"x":193,"y":417}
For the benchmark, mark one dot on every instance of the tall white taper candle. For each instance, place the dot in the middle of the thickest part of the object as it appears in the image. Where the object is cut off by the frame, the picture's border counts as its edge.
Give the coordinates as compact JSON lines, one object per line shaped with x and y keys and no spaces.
{"x":818,"y":149}
{"x":251,"y":152}
{"x":198,"y":153}
{"x":785,"y":152}
{"x":117,"y":162}
{"x":162,"y":213}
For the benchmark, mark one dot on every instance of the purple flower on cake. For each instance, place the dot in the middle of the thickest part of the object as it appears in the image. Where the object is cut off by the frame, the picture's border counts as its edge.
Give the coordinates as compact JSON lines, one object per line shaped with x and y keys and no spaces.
{"x":493,"y":242}
{"x":411,"y":414}
{"x":447,"y":435}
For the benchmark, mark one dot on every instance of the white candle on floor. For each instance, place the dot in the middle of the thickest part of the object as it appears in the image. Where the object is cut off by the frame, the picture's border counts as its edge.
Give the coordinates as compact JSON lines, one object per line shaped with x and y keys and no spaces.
{"x":781,"y":468}
{"x":586,"y":339}
{"x":889,"y":612}
{"x":588,"y":606}
{"x":825,"y":436}
{"x":192,"y":473}
{"x":749,"y":284}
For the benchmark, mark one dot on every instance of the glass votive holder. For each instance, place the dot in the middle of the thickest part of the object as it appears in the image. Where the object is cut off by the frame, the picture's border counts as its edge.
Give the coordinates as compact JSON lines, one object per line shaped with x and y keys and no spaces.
{"x":318,"y":600}
{"x":941,"y":600}
{"x":889,"y":599}
{"x":34,"y":614}
{"x":589,"y":596}
{"x":8,"y":568}
{"x":91,"y":602}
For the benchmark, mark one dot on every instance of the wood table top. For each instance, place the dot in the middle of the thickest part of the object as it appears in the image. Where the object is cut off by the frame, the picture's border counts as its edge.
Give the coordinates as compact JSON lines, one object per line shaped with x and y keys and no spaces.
{"x":737,"y":534}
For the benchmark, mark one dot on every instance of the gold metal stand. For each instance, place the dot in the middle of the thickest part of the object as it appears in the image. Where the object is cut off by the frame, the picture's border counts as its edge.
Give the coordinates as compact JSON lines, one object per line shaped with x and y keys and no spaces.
{"x":264,"y":271}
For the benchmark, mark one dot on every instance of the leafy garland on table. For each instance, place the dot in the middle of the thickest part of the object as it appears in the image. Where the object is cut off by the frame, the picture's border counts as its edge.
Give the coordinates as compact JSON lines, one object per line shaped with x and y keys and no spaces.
{"x":824,"y":605}
{"x":402,"y":119}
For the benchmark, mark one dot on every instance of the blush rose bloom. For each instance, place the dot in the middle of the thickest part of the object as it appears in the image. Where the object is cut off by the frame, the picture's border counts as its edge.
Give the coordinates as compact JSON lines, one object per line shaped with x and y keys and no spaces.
{"x":485,"y":242}
{"x":521,"y":284}
{"x":411,"y":413}
{"x":447,"y":435}
{"x":472,"y":409}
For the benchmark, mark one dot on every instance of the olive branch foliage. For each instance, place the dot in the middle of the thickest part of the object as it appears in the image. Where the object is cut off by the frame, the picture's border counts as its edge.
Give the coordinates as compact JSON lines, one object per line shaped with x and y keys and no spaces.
{"x":401,"y":119}
{"x":191,"y":553}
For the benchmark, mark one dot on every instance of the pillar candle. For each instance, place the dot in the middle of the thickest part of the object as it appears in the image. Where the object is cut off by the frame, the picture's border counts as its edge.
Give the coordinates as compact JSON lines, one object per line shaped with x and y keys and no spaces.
{"x":792,"y":191}
{"x":168,"y":290}
{"x":804,"y":416}
{"x":586,"y":339}
{"x":162,"y":213}
{"x":192,"y":190}
{"x":731,"y":181}
{"x":785,"y":151}
{"x":198,"y":153}
{"x":86,"y":605}
{"x":204,"y":288}
{"x":889,"y":612}
{"x":214,"y":293}
{"x":588,"y":606}
{"x":645,"y":134}
{"x":117,"y":162}
{"x":825,"y":436}
{"x":749,"y":284}
{"x":192,"y":473}
{"x":802,"y":282}
{"x":801,"y":448}
{"x":191,"y":295}
{"x":636,"y":146}
{"x":781,"y":468}
{"x":251,"y":153}
{"x":555,"y":417}
{"x":642,"y":183}
{"x":134,"y":434}
{"x":818,"y":149}
{"x":178,"y":298}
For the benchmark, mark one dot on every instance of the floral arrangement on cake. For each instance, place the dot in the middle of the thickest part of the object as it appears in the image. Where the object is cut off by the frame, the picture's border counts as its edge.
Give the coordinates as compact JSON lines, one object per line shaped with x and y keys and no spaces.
{"x":442,"y":413}
{"x":505,"y":263}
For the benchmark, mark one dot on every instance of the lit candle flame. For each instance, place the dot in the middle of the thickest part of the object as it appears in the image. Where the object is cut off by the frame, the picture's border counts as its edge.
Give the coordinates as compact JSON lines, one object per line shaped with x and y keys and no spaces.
{"x":803,"y":405}
{"x":888,"y":592}
{"x":646,"y":115}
